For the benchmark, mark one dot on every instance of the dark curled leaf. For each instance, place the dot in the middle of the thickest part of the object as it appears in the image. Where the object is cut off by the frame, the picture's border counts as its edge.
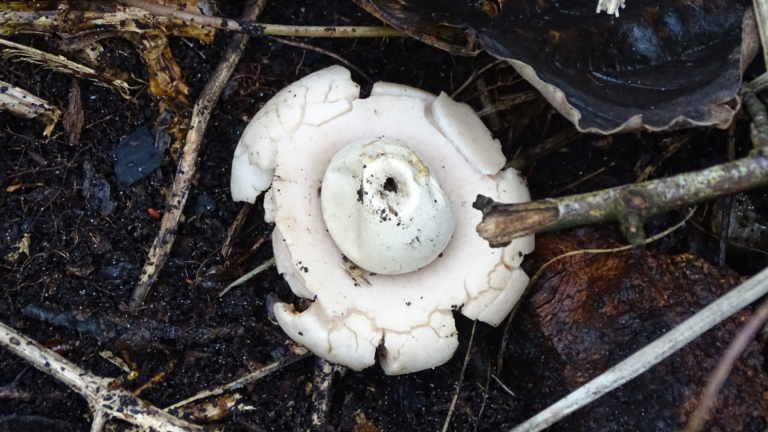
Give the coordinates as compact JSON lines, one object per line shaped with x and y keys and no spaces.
{"x":660,"y":64}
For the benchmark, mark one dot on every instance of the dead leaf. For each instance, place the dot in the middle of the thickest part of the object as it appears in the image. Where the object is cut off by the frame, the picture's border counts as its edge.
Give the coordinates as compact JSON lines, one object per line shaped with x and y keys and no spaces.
{"x":73,"y":118}
{"x":21,"y":247}
{"x":605,"y":74}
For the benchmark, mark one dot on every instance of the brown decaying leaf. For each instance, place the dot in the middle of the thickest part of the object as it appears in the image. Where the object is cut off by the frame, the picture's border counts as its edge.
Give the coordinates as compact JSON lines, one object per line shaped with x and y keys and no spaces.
{"x":588,"y":312}
{"x":166,"y":81}
{"x":73,"y":118}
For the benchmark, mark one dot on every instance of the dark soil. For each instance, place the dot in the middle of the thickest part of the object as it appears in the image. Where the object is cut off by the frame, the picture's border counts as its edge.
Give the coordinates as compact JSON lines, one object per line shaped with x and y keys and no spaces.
{"x":84,"y":256}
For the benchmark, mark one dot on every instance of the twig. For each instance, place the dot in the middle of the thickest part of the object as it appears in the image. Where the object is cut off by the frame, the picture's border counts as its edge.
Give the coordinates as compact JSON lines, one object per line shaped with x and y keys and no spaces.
{"x":61,"y":64}
{"x":652,"y":354}
{"x":25,"y":104}
{"x":321,"y":385}
{"x":461,"y":378}
{"x":759,"y":115}
{"x":508,"y":102}
{"x":718,"y":376}
{"x":250,"y":27}
{"x":761,"y":16}
{"x":474,"y":76}
{"x":725,"y":217}
{"x":485,"y":396}
{"x":551,"y":144}
{"x":489,"y":109}
{"x":760,"y":83}
{"x":629,"y":204}
{"x":253,"y":376}
{"x":103,"y":397}
{"x":253,"y":249}
{"x":503,"y":386}
{"x":158,"y":254}
{"x":328,"y":53}
{"x":248,"y":275}
{"x":579,"y":181}
{"x":235,"y":228}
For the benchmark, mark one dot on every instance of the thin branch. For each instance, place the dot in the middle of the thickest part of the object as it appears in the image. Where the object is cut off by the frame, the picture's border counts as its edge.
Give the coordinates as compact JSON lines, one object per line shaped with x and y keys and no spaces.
{"x":476,"y":74}
{"x":761,"y":16}
{"x":629,"y":204}
{"x":235,"y":228}
{"x":759,"y":115}
{"x":250,"y":27}
{"x":321,"y":392}
{"x":658,"y":350}
{"x":504,"y":386}
{"x":248,"y":275}
{"x":507,"y":102}
{"x":485,"y":396}
{"x":246,"y":379}
{"x":101,"y":393}
{"x":186,"y":170}
{"x":718,"y":376}
{"x":461,"y":378}
{"x":760,"y":83}
{"x":725,"y":217}
{"x":551,"y":144}
{"x":328,"y":53}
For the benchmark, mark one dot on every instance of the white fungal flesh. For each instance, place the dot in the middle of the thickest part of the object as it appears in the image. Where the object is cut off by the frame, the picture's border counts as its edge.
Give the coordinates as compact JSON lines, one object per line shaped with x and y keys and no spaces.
{"x":407,"y":316}
{"x":611,"y":7}
{"x":383,"y":209}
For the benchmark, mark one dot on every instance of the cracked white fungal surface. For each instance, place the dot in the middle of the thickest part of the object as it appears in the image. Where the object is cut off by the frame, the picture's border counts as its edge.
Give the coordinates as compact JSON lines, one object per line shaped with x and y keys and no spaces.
{"x":407,"y":318}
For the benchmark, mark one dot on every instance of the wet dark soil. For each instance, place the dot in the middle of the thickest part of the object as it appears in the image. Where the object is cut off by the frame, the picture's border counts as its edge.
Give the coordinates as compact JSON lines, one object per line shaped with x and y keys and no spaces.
{"x":85,"y":256}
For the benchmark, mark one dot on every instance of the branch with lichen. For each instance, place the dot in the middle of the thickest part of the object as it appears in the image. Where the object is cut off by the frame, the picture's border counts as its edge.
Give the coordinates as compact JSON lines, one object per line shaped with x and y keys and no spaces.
{"x":630,"y":205}
{"x":104,"y":396}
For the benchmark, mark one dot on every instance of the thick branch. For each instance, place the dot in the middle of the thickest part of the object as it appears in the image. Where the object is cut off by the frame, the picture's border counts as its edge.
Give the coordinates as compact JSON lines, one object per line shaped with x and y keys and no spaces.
{"x":186,"y":170}
{"x":104,"y":400}
{"x":629,"y":204}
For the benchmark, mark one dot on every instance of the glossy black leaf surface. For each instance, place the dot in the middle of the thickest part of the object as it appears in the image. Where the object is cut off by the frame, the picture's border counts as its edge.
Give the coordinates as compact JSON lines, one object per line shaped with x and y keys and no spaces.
{"x":660,"y":64}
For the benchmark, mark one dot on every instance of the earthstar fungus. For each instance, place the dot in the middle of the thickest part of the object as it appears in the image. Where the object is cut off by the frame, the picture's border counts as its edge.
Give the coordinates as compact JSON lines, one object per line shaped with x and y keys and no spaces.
{"x":372,"y":204}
